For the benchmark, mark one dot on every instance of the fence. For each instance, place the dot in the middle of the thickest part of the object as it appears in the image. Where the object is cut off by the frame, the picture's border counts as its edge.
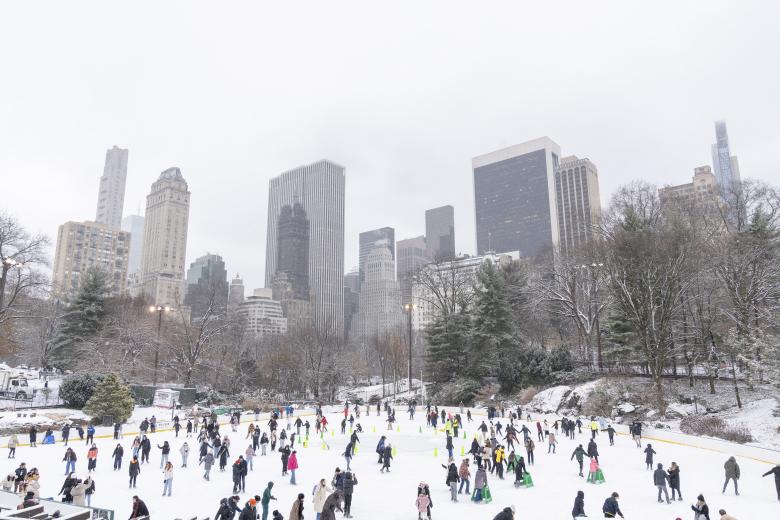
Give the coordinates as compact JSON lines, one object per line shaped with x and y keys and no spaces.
{"x":41,"y":398}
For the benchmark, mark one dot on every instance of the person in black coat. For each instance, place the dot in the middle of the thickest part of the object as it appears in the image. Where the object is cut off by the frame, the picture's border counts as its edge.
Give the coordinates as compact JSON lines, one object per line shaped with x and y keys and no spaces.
{"x":508,"y":513}
{"x":649,"y":452}
{"x":674,"y":480}
{"x":611,"y":509}
{"x":701,"y":509}
{"x":659,"y":479}
{"x":579,"y":505}
{"x":139,"y":509}
{"x":133,"y":470}
{"x":119,"y":451}
{"x":33,"y":436}
{"x":520,"y":470}
{"x":593,"y":450}
{"x":224,"y":512}
{"x":776,"y":471}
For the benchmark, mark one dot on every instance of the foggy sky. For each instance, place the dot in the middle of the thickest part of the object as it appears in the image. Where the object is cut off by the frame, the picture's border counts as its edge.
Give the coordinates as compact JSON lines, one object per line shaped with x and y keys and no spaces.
{"x":403,"y":94}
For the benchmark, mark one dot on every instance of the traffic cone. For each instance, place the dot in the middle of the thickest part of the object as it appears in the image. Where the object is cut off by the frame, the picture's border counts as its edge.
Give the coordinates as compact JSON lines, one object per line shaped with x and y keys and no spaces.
{"x":373,"y":429}
{"x":306,"y":444}
{"x":420,"y":429}
{"x":395,"y":451}
{"x":462,"y":451}
{"x":398,"y":429}
{"x":324,"y":446}
{"x":356,"y":449}
{"x":435,"y":452}
{"x":464,"y":435}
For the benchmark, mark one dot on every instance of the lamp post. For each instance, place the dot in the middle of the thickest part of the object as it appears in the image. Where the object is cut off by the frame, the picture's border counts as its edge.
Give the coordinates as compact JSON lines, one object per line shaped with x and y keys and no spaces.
{"x":159,"y":309}
{"x":409,"y":308}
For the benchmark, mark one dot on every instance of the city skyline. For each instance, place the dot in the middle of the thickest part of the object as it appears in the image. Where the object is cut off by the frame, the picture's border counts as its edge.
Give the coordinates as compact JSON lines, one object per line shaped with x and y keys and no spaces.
{"x":639,"y":111}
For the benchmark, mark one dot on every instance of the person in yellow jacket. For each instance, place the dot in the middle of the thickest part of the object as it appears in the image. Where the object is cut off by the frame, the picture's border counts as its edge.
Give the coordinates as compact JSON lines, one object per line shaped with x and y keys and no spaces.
{"x":594,"y":428}
{"x":499,"y":457}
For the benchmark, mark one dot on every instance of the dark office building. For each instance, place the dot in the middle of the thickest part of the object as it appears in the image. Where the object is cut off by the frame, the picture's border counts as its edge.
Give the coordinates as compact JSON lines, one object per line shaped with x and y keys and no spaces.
{"x":514,"y":198}
{"x":369,"y":240}
{"x":293,"y":249}
{"x":440,"y":233}
{"x":206,"y":285}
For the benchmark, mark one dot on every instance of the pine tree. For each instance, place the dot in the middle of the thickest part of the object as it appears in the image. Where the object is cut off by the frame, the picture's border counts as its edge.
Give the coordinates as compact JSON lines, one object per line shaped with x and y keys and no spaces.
{"x":111,"y":397}
{"x":494,"y":344}
{"x":83,"y":319}
{"x":448,"y":340}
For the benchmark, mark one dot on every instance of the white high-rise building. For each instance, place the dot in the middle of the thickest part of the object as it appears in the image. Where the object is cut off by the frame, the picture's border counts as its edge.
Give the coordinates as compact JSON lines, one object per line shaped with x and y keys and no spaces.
{"x":577,"y":201}
{"x":134,"y":224}
{"x":83,"y":245}
{"x":380,"y":312}
{"x":262,"y":315}
{"x":318,"y":189}
{"x":111,"y":197}
{"x":165,"y":239}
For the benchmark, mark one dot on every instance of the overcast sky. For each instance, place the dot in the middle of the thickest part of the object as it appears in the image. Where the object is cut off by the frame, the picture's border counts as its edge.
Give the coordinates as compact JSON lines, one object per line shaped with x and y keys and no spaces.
{"x":403,"y":94}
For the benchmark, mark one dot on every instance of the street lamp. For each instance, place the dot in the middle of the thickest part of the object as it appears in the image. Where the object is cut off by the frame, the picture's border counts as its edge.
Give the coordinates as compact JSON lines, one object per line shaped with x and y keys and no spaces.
{"x":409,"y":308}
{"x":159,"y":309}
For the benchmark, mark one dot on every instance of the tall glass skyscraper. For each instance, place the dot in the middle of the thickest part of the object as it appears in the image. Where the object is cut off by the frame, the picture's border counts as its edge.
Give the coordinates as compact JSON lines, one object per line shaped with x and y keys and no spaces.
{"x":514,"y":198}
{"x":440,"y":233}
{"x":319,"y":189}
{"x":724,"y":165}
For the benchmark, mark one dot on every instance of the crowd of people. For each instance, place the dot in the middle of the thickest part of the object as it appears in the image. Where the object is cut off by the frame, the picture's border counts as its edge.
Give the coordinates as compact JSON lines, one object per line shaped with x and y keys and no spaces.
{"x":503,"y":446}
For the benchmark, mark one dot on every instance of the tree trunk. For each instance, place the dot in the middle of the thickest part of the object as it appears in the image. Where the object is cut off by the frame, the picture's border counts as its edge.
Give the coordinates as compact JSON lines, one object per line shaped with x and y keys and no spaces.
{"x":736,"y":386}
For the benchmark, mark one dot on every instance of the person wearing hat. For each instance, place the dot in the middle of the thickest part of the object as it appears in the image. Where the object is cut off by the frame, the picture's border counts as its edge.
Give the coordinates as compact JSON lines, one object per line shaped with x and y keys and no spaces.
{"x":508,"y":513}
{"x":700,"y":509}
{"x":611,"y":509}
{"x":725,"y":516}
{"x":296,"y":512}
{"x":250,"y":510}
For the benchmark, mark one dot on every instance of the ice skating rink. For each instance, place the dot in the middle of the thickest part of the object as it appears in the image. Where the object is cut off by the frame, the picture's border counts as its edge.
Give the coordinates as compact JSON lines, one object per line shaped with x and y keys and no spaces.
{"x":392,"y":496}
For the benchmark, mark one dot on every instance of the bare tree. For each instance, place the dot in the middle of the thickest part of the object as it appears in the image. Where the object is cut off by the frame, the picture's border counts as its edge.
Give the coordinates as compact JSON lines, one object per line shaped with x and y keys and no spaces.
{"x":445,"y":287}
{"x":21,"y":257}
{"x":575,"y":289}
{"x":193,"y":339}
{"x":649,"y":265}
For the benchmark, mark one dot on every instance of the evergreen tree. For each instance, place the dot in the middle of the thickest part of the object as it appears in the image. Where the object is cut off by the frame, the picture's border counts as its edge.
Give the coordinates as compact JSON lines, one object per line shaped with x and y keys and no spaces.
{"x":448,"y":340}
{"x":83,"y":319}
{"x":111,"y":397}
{"x":494,"y":345}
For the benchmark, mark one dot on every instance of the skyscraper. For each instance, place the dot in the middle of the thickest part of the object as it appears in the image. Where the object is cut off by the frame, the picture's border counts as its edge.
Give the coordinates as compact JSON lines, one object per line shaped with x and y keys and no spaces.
{"x":412,"y":255}
{"x":293,"y":250}
{"x":724,"y":165}
{"x":207,"y":286}
{"x":440,"y":233}
{"x":380,"y":312}
{"x":235,"y":292}
{"x":514,"y":198}
{"x":577,"y":201}
{"x":351,"y":299}
{"x":134,"y":224}
{"x":82,"y":245}
{"x":111,"y":196}
{"x":369,"y":240}
{"x":319,"y":189}
{"x":165,"y":239}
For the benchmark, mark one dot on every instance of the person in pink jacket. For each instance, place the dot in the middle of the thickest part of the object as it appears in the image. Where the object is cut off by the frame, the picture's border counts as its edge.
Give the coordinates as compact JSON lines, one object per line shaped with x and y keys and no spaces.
{"x":292,"y":465}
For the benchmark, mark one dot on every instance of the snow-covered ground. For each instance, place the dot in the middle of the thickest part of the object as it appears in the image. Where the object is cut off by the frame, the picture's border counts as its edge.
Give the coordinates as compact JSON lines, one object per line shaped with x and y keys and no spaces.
{"x":391,"y":496}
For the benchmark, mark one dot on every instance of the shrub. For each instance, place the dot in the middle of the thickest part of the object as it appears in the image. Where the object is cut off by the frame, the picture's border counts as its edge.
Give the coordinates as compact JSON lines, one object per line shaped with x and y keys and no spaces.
{"x":111,"y":397}
{"x":712,"y":426}
{"x":76,"y":389}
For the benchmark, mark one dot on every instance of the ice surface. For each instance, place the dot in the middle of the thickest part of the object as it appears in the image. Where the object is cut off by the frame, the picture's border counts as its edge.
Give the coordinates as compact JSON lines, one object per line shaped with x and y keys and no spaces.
{"x":391,"y":496}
